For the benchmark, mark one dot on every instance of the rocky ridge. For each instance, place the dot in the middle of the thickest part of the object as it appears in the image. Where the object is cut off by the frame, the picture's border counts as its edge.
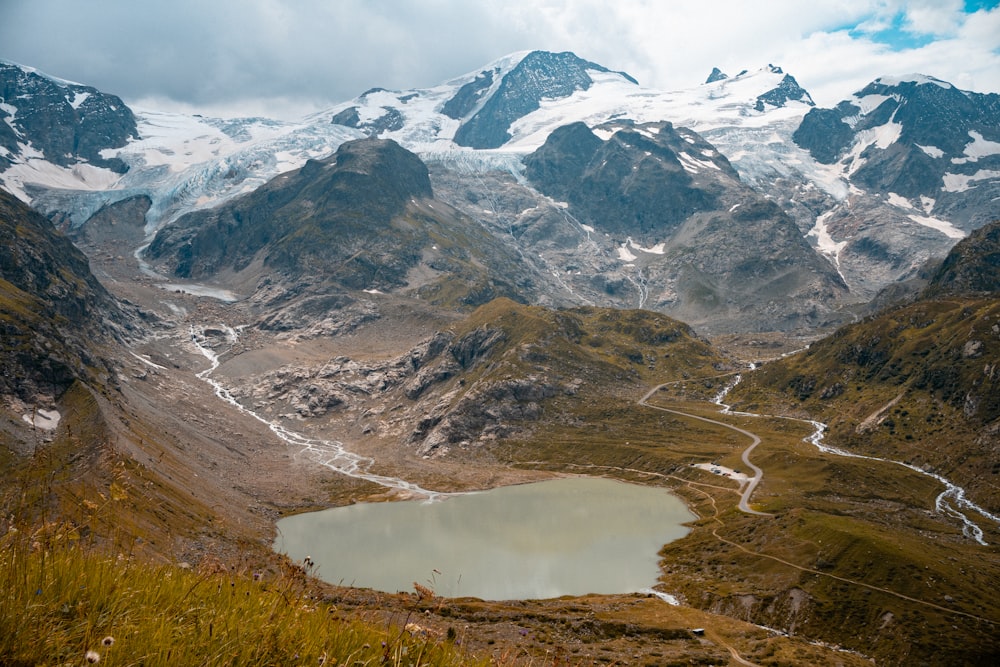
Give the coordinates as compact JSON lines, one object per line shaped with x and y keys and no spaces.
{"x":493,"y":376}
{"x":55,"y":316}
{"x":61,"y":122}
{"x":363,"y":219}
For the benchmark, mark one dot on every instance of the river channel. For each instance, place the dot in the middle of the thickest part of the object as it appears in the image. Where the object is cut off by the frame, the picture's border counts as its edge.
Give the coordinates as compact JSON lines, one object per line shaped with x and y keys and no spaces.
{"x":568,"y":536}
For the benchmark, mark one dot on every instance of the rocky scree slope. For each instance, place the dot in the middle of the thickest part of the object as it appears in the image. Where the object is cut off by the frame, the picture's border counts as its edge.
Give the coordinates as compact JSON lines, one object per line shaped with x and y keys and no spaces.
{"x":496,"y":375}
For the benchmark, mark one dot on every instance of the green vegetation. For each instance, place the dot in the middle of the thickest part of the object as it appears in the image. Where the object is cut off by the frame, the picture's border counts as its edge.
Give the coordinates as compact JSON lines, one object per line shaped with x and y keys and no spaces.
{"x":919,"y":384}
{"x":604,"y":343}
{"x":854,"y":553}
{"x":64,"y":603}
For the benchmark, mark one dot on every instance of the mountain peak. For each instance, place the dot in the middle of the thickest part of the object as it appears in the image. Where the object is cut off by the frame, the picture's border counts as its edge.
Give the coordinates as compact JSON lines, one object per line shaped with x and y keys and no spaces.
{"x":302,"y":218}
{"x":918,"y":79}
{"x":788,"y":90}
{"x":538,"y":75}
{"x":26,"y":70}
{"x":88,"y":121}
{"x":913,"y":136}
{"x":716,"y":75}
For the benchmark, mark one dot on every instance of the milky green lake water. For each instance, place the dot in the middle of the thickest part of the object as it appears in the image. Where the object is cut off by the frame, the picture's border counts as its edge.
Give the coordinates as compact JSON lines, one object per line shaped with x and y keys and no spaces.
{"x":567,"y":536}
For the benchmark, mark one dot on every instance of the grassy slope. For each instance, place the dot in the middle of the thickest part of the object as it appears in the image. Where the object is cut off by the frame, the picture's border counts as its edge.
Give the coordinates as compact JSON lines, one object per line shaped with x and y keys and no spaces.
{"x":612,"y":351}
{"x":856,"y":554}
{"x":846,"y":527}
{"x":63,"y":602}
{"x":842,"y":530}
{"x":79,"y":505}
{"x":937,"y":362}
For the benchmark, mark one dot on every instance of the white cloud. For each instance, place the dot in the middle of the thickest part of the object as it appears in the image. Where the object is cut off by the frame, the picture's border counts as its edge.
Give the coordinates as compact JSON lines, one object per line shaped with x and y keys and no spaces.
{"x":935,"y":17}
{"x":287,"y":58}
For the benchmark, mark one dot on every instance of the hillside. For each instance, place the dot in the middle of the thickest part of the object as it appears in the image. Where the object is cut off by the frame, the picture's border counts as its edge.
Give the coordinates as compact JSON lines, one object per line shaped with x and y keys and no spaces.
{"x":363,"y":219}
{"x":82,"y":419}
{"x":505,"y":371}
{"x":702,"y":246}
{"x":56,"y":316}
{"x":972,"y":266}
{"x":916,"y":383}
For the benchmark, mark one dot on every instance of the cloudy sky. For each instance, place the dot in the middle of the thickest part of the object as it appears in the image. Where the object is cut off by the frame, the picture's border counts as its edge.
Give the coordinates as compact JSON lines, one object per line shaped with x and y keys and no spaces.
{"x":285,"y":58}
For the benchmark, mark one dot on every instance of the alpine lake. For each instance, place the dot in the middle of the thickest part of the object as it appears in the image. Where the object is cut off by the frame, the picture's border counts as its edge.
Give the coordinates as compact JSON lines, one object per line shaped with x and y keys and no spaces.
{"x":566,"y":536}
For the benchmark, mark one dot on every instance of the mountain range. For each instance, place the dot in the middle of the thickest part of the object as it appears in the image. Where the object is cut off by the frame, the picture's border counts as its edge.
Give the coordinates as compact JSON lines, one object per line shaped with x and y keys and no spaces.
{"x":538,"y":268}
{"x":608,"y":192}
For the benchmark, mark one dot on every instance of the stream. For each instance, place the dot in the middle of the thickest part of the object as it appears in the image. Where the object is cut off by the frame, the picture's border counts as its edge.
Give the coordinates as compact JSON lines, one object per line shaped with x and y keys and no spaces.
{"x":948,"y":503}
{"x":328,"y":453}
{"x":568,"y":536}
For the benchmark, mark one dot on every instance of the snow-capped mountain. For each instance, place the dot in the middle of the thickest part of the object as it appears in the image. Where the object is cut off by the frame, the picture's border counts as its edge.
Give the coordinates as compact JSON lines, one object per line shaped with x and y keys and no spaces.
{"x":516,"y":102}
{"x":56,"y":132}
{"x":69,"y":149}
{"x":916,"y":140}
{"x":889,"y":178}
{"x":186,"y":162}
{"x":922,"y":162}
{"x":182,"y":163}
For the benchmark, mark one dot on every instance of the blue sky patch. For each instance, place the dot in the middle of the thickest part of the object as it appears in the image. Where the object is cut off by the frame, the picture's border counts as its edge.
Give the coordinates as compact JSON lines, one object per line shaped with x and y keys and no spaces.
{"x":896,"y":36}
{"x":972,"y":6}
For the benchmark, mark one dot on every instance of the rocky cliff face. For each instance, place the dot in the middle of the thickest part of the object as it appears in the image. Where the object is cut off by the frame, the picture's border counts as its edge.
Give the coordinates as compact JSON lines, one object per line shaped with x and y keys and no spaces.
{"x":918,"y":138}
{"x":704,"y":246}
{"x":65,"y":122}
{"x":972,"y":267}
{"x":54,"y":315}
{"x":642,"y":181}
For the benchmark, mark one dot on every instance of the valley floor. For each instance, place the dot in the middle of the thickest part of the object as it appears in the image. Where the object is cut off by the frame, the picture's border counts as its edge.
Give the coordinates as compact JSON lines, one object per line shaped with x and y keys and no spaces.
{"x":752,"y":556}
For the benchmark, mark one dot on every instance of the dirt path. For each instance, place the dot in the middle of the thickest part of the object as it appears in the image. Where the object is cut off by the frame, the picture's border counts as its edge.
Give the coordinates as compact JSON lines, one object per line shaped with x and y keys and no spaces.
{"x":715,"y":533}
{"x":870,"y":421}
{"x":758,"y":474}
{"x":715,"y":637}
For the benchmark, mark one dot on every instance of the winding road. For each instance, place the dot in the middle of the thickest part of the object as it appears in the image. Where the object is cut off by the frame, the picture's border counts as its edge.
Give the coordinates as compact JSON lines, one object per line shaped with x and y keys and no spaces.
{"x":758,"y":474}
{"x":752,"y":484}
